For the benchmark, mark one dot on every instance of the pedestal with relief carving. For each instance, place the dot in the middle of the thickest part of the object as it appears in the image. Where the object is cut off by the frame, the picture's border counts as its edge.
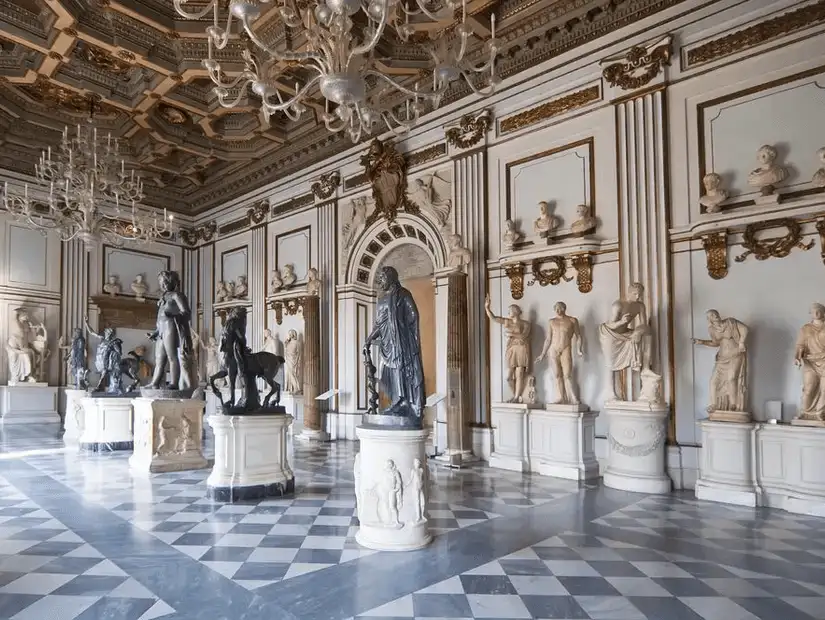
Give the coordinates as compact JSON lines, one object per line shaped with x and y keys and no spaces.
{"x":73,"y":416}
{"x":167,"y":435}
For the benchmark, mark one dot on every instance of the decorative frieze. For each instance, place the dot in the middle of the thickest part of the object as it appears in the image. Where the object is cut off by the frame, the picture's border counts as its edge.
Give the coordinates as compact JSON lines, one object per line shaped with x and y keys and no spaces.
{"x":640,"y":65}
{"x":554,"y":107}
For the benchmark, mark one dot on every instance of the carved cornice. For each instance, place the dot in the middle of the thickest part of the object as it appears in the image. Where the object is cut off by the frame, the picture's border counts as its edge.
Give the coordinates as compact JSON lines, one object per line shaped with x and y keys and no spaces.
{"x":554,"y":107}
{"x":416,"y":158}
{"x":470,"y":130}
{"x":326,"y":185}
{"x":760,"y":33}
{"x":640,"y":66}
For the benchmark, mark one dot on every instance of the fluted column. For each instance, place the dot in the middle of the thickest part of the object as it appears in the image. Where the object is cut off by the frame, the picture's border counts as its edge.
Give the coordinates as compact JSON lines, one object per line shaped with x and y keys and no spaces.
{"x":458,"y":375}
{"x":312,"y":368}
{"x":75,"y":291}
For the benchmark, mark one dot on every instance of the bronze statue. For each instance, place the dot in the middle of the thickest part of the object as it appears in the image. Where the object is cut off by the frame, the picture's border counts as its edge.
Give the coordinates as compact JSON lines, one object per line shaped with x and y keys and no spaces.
{"x":108,"y":361}
{"x":396,"y":330}
{"x":76,"y":358}
{"x":173,"y":335}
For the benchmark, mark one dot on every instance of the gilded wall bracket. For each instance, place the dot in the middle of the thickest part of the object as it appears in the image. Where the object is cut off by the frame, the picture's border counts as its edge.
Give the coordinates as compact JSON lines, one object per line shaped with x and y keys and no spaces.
{"x":773,"y":247}
{"x":515,"y":273}
{"x":289,"y":306}
{"x":716,"y":253}
{"x":583,"y":264}
{"x":820,"y":228}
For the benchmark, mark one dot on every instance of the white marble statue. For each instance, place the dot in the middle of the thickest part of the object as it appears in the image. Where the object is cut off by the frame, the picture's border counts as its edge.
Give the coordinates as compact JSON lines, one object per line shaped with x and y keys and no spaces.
{"x":729,"y":379}
{"x":819,"y":176}
{"x":40,"y":345}
{"x":458,"y":255}
{"x":313,"y":282}
{"x":230,"y":290}
{"x":430,"y":193}
{"x":651,"y":387}
{"x":510,"y":236}
{"x":810,"y":356}
{"x":625,"y":340}
{"x":585,"y":222}
{"x":563,"y":334}
{"x":139,"y":287}
{"x":546,"y":222}
{"x":293,"y":367}
{"x":213,"y":359}
{"x":416,"y":486}
{"x":241,"y":288}
{"x":288,"y":275}
{"x":112,"y":286}
{"x":517,"y":351}
{"x":714,"y":195}
{"x":393,"y":493}
{"x":221,"y":292}
{"x":357,"y":220}
{"x":276,"y":283}
{"x":271,"y":343}
{"x":769,"y":174}
{"x":21,"y":355}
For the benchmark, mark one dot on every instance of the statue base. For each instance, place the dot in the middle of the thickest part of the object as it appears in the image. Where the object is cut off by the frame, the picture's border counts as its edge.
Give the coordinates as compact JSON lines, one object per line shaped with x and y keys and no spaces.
{"x":739,"y":417}
{"x":563,"y":441}
{"x":73,"y":415}
{"x":389,"y":421}
{"x":128,"y":395}
{"x":232,"y":410}
{"x":107,"y":424}
{"x":166,"y":393}
{"x":391,"y":520}
{"x":509,"y":421}
{"x":250,"y":457}
{"x":29,"y":403}
{"x":636,"y":439}
{"x":808,"y":422}
{"x":167,"y":435}
{"x":726,"y":467}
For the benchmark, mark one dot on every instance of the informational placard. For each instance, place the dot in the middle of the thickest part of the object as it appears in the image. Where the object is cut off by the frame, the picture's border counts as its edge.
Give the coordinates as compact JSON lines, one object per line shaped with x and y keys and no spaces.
{"x":434,"y":399}
{"x":327,"y":395}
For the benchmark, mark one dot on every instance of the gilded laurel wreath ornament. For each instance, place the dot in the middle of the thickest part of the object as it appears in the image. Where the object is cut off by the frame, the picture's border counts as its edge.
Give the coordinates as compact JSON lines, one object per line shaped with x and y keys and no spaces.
{"x":764,"y":249}
{"x":554,"y":275}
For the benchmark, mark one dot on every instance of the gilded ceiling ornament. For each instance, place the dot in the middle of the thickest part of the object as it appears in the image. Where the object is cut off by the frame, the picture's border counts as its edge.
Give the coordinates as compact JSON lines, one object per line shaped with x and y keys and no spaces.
{"x":46,"y":91}
{"x":56,"y":56}
{"x":760,"y":33}
{"x":70,"y":32}
{"x":515,"y":273}
{"x":173,"y":116}
{"x":126,"y":55}
{"x":386,"y":172}
{"x":716,"y":252}
{"x":772,"y":248}
{"x":639,"y":67}
{"x":104,"y":60}
{"x":471,"y":129}
{"x":555,"y":107}
{"x":325,"y":186}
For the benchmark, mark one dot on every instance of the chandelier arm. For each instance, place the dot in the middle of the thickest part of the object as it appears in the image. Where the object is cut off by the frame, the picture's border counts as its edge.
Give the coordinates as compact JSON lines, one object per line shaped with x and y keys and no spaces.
{"x":279,"y":55}
{"x":484,"y":92}
{"x":417,"y":94}
{"x":284,"y":104}
{"x":406,"y":124}
{"x":223,"y":95}
{"x":422,"y":10}
{"x":367,"y":47}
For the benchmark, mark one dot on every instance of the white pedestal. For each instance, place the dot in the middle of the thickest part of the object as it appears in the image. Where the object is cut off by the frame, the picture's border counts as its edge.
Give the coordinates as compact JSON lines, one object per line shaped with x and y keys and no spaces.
{"x":73,"y":418}
{"x":392,"y":504}
{"x":250,"y":457}
{"x":28,"y":403}
{"x":509,"y":422}
{"x":563,"y":442}
{"x":636,"y":439}
{"x":167,"y":435}
{"x":107,"y":424}
{"x":294,"y":405}
{"x":726,"y":472}
{"x":213,"y":405}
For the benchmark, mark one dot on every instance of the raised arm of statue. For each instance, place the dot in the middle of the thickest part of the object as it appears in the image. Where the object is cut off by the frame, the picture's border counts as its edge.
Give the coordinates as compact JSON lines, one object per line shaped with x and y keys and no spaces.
{"x":90,"y":330}
{"x":496,"y":319}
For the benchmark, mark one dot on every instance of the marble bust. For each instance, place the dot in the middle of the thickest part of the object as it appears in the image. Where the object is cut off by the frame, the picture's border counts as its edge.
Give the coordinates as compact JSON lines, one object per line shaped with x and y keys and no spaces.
{"x":241,"y":288}
{"x":729,"y":378}
{"x":139,"y":287}
{"x":288,"y":276}
{"x":810,"y":357}
{"x":714,"y":195}
{"x":221,"y":292}
{"x":545,"y":223}
{"x":112,"y":286}
{"x":510,"y":236}
{"x":517,"y":350}
{"x":313,"y":282}
{"x":585,"y":222}
{"x":819,"y":176}
{"x":458,"y":256}
{"x":768,"y":175}
{"x":276,"y":283}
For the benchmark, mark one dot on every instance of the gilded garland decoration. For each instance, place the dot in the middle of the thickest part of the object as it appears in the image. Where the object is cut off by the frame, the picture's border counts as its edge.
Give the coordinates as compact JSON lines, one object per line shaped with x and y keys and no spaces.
{"x":639,"y":67}
{"x":781,"y":247}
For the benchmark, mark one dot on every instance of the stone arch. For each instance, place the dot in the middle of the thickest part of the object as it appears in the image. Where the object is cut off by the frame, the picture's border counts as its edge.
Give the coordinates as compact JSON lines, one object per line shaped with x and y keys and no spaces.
{"x":381,"y":237}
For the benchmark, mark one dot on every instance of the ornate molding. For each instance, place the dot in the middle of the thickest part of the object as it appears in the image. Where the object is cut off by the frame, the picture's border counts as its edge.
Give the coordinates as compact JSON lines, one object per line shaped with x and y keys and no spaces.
{"x":515,"y":273}
{"x":290,"y":305}
{"x":716,"y":252}
{"x":386,"y":171}
{"x":820,"y":228}
{"x":326,"y":185}
{"x":583,"y":264}
{"x":257,"y":213}
{"x":104,"y":60}
{"x":430,"y":153}
{"x":470,"y":130}
{"x":553,"y":275}
{"x":554,"y":107}
{"x":760,"y":33}
{"x":659,"y":432}
{"x":774,"y":247}
{"x":640,"y":65}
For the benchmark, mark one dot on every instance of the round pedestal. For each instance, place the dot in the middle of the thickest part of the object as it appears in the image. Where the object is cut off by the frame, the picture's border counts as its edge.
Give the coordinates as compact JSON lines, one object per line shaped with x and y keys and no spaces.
{"x":250,"y":457}
{"x":73,"y":418}
{"x":391,"y":489}
{"x":636,"y":438}
{"x":107,"y":424}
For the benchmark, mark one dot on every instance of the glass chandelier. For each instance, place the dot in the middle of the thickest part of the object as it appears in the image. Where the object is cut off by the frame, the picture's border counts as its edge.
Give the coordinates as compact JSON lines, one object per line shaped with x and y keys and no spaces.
{"x":337,"y":52}
{"x":84,"y":174}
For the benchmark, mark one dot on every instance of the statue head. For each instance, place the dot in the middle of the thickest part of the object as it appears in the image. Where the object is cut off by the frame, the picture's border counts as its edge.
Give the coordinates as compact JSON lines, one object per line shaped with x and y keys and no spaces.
{"x":713,"y":317}
{"x":583,"y":211}
{"x":139,"y":278}
{"x":212,"y":341}
{"x":515,"y":311}
{"x":22,"y":315}
{"x":168,"y":280}
{"x":543,"y":207}
{"x":712,"y":182}
{"x":267,"y":334}
{"x":291,"y":335}
{"x":77,"y":333}
{"x":109,"y":333}
{"x":509,"y":225}
{"x":288,"y":269}
{"x":312,"y":273}
{"x":560,"y":308}
{"x":636,"y":291}
{"x":221,"y":285}
{"x":821,"y":154}
{"x":455,"y":241}
{"x":140,"y":350}
{"x":112,"y":279}
{"x":766,"y":154}
{"x":818,"y":312}
{"x":416,"y":463}
{"x":387,"y":278}
{"x":390,"y":465}
{"x":241,"y":279}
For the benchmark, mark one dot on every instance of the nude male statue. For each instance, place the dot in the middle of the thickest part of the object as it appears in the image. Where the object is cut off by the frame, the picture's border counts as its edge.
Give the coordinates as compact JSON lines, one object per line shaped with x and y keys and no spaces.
{"x":562,"y":330}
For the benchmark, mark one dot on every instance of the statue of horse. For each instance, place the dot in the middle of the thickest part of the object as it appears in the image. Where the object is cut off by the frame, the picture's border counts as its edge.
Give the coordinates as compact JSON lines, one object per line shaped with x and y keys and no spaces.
{"x":261,"y":364}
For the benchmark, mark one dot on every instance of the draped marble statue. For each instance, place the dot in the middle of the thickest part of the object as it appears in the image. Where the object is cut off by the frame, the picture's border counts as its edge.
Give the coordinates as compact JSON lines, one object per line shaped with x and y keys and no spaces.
{"x":173,"y":336}
{"x":396,"y":330}
{"x":626,"y":340}
{"x":294,"y":365}
{"x":19,"y":349}
{"x":729,"y":379}
{"x":517,"y":352}
{"x":810,"y":357}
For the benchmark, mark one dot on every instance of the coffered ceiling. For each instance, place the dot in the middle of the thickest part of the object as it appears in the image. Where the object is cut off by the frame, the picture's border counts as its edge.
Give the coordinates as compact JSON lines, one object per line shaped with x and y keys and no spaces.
{"x":138,"y":66}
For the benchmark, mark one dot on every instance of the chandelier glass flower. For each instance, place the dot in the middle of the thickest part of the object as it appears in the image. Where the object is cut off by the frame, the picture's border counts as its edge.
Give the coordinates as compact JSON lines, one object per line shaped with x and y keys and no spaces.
{"x":336,"y":45}
{"x":85,"y":174}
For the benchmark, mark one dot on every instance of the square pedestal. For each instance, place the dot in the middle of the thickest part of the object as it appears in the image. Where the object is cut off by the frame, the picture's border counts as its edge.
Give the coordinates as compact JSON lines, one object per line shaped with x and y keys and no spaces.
{"x":73,"y":416}
{"x":213,"y":404}
{"x":167,"y":435}
{"x":391,"y":489}
{"x":250,"y":457}
{"x":725,"y":466}
{"x":636,"y":443}
{"x":509,"y":422}
{"x":562,"y":442}
{"x":107,"y":424}
{"x":294,"y":405}
{"x":29,"y":403}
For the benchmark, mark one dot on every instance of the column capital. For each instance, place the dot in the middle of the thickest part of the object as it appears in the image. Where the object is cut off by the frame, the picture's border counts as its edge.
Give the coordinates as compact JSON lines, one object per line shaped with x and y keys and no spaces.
{"x":638,"y":70}
{"x":469,"y":133}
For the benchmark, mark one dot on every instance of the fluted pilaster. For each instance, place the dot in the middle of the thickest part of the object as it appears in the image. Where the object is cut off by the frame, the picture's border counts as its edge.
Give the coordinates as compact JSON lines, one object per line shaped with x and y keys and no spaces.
{"x":312,"y":363}
{"x":75,"y":291}
{"x":458,"y":375}
{"x":257,"y":281}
